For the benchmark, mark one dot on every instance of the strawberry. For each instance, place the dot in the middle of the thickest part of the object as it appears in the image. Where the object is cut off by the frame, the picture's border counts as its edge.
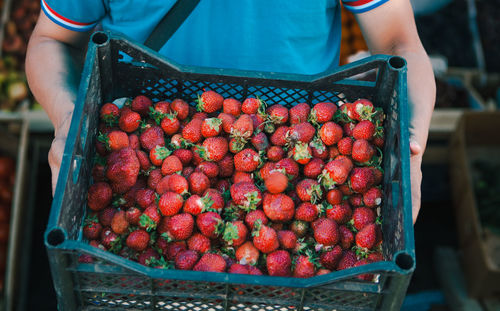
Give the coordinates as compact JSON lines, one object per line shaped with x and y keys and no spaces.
{"x":365,"y":276}
{"x":335,"y":172}
{"x":290,"y":166}
{"x":115,"y":140}
{"x":198,"y":183}
{"x":133,"y":215}
{"x":287,"y":239}
{"x":375,"y":256}
{"x":109,"y":113}
{"x":170,"y":124}
{"x":247,"y":253}
{"x":364,"y":130}
{"x":341,"y":213}
{"x":330,"y":258}
{"x":150,"y":218}
{"x":122,"y":169}
{"x":279,"y":263}
{"x":210,"y":101}
{"x":265,"y":238}
{"x":106,"y":215}
{"x":308,"y":190}
{"x":278,"y":138}
{"x":226,"y":166}
{"x":148,"y":257}
{"x":253,"y":216}
{"x":304,"y":267}
{"x":92,"y":228}
{"x":242,"y":128}
{"x":348,"y":128}
{"x":347,"y":260}
{"x":98,"y":173}
{"x":345,"y":146}
{"x":362,"y":217}
{"x":266,"y":170}
{"x":213,"y":149}
{"x":138,"y":240}
{"x":144,"y":162}
{"x":326,"y":231}
{"x":171,"y":165}
{"x":346,"y":237}
{"x":246,"y":195}
{"x":275,"y":153}
{"x":314,"y":168}
{"x":367,"y":237}
{"x":185,"y":155}
{"x":180,"y":107}
{"x":372,"y":197}
{"x":303,"y":132}
{"x":356,"y":200}
{"x":362,"y":109}
{"x":277,"y":114}
{"x":193,"y":205}
{"x":200,"y":115}
{"x":211,"y":262}
{"x":322,"y":112}
{"x":162,"y":107}
{"x":180,"y":226}
{"x":246,"y":160}
{"x":242,"y":177}
{"x":299,"y":113}
{"x":134,"y":142}
{"x":185,"y":260}
{"x":198,"y":242}
{"x":361,"y":179}
{"x":210,"y":224}
{"x":302,"y":153}
{"x":211,"y":127}
{"x":227,"y":121}
{"x":362,"y":151}
{"x":238,"y":269}
{"x":251,"y":105}
{"x":260,"y":141}
{"x":110,"y":240}
{"x":276,"y":182}
{"x":192,"y":131}
{"x":144,"y":197}
{"x":330,"y":133}
{"x":178,"y":184}
{"x":299,"y":227}
{"x":278,"y":207}
{"x":345,"y":189}
{"x":187,"y":171}
{"x":322,"y":272}
{"x":235,"y":233}
{"x":163,"y":185}
{"x":152,"y":137}
{"x":141,"y":105}
{"x":129,"y":120}
{"x":231,"y":106}
{"x":173,"y":248}
{"x":170,"y":203}
{"x":158,"y":154}
{"x":307,"y":212}
{"x":99,"y":196}
{"x":210,"y":169}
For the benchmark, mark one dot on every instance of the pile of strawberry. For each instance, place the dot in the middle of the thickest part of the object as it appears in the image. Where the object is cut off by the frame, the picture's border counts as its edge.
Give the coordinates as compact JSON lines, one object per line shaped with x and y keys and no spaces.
{"x":238,"y":187}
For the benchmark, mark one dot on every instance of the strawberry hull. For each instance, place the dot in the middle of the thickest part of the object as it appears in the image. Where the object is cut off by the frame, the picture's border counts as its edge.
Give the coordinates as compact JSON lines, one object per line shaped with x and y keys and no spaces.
{"x":81,"y":285}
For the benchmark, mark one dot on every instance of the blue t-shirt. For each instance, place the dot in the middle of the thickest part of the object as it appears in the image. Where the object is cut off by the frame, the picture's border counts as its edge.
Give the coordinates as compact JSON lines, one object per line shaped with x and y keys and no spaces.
{"x":292,"y":36}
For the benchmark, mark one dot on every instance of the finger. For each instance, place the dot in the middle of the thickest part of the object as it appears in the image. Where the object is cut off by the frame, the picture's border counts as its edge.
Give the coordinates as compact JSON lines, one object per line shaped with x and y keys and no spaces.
{"x":415,"y":147}
{"x":54,"y":157}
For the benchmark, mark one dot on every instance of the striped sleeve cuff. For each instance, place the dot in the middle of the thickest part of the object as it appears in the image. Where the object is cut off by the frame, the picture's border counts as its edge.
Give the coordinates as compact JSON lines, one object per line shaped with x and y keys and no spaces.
{"x":360,"y":6}
{"x":65,"y":22}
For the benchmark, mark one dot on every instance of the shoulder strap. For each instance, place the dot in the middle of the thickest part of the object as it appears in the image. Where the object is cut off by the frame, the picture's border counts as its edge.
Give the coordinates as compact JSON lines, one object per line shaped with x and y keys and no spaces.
{"x":170,"y":23}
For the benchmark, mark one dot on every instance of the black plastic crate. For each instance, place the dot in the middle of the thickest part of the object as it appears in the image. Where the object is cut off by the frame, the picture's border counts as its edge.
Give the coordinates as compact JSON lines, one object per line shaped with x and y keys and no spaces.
{"x":113,"y":282}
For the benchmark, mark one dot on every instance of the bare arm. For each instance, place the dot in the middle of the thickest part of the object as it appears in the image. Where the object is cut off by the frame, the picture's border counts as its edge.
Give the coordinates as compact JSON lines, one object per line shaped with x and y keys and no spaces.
{"x":390,"y":29}
{"x":53,"y":65}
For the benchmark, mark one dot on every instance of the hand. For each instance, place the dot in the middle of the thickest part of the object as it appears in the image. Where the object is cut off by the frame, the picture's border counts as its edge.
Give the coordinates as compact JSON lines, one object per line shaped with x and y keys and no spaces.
{"x":415,"y":176}
{"x":57,"y":148}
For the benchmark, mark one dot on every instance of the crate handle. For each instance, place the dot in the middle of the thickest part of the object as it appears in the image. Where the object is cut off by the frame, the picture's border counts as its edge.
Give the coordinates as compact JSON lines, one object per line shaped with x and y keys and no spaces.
{"x":397,"y":63}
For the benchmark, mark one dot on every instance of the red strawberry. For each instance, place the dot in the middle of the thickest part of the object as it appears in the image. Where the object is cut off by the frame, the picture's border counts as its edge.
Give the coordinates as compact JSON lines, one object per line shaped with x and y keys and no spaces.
{"x":109,"y":113}
{"x":362,"y":217}
{"x":290,"y":166}
{"x":116,"y":140}
{"x":185,"y":155}
{"x":152,"y":137}
{"x":158,"y":154}
{"x":307,"y":212}
{"x":364,"y":130}
{"x":243,"y":127}
{"x":299,"y":113}
{"x":138,"y":240}
{"x":172,"y":249}
{"x":308,"y":190}
{"x":356,"y":200}
{"x":375,"y":256}
{"x":278,"y":207}
{"x":322,"y":112}
{"x":304,"y":268}
{"x":170,"y":124}
{"x":362,"y":151}
{"x":251,"y":105}
{"x":246,"y":194}
{"x":162,"y":107}
{"x":210,"y":169}
{"x":330,"y":133}
{"x":211,"y":127}
{"x":314,"y":168}
{"x":252,"y":216}
{"x":260,"y":141}
{"x":345,"y":189}
{"x":302,"y":153}
{"x":214,"y":148}
{"x":210,"y":101}
{"x":211,"y":262}
{"x":346,"y":237}
{"x":134,"y":142}
{"x":110,"y":240}
{"x":238,"y":269}
{"x":345,"y":146}
{"x":334,"y":196}
{"x":278,"y":114}
{"x":181,"y":107}
{"x":150,"y":218}
{"x":198,"y":183}
{"x":198,"y":242}
{"x":98,"y":173}
{"x":275,"y":153}
{"x":178,"y":184}
{"x":266,"y":170}
{"x":367,"y":237}
{"x":122,"y":169}
{"x":180,"y":226}
{"x":279,"y":263}
{"x":372,"y":197}
{"x":319,"y":149}
{"x":362,"y":109}
{"x":200,"y":115}
{"x":129,"y":120}
{"x":247,"y":253}
{"x":213,"y":199}
{"x":163,"y":185}
{"x":144,"y":197}
{"x":287,"y":239}
{"x":226,"y":166}
{"x":193,"y":205}
{"x":246,"y":160}
{"x":303,"y":132}
{"x":361,"y":179}
{"x":209,"y":224}
{"x":265,"y":238}
{"x":154,"y":178}
{"x":171,"y":165}
{"x":276,"y":182}
{"x":185,"y":260}
{"x":170,"y":203}
{"x":106,"y":215}
{"x":227,"y":121}
{"x":141,"y":105}
{"x":99,"y":196}
{"x":326,"y":231}
{"x":335,"y":172}
{"x":242,"y":177}
{"x":331,"y":258}
{"x":192,"y":131}
{"x":322,"y":272}
{"x":299,"y":227}
{"x":278,"y":138}
{"x":133,"y":215}
{"x":347,"y":261}
{"x":235,"y":233}
{"x":92,"y":228}
{"x":348,"y":128}
{"x":365,"y":276}
{"x":149,"y":257}
{"x":341,"y":213}
{"x":231,"y":106}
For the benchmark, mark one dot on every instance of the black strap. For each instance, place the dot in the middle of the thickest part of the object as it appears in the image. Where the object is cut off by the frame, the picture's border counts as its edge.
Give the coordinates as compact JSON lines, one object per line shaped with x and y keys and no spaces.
{"x":170,"y":23}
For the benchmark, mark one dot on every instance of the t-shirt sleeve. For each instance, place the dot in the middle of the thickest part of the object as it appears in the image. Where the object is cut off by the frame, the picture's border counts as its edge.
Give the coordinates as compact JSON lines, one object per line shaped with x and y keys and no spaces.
{"x":76,"y":15}
{"x":360,"y":6}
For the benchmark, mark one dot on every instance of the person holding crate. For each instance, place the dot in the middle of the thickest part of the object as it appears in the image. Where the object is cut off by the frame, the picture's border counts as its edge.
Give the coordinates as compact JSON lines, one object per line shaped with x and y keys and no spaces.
{"x":272,"y":36}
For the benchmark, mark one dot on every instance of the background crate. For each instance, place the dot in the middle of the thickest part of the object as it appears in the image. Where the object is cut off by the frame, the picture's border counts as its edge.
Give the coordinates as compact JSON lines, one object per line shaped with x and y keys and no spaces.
{"x":114,"y":282}
{"x":14,"y":144}
{"x":473,"y":140}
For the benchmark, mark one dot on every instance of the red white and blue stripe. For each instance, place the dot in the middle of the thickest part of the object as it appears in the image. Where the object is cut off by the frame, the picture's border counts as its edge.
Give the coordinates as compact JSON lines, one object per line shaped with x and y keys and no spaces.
{"x":65,"y":22}
{"x":360,"y":6}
